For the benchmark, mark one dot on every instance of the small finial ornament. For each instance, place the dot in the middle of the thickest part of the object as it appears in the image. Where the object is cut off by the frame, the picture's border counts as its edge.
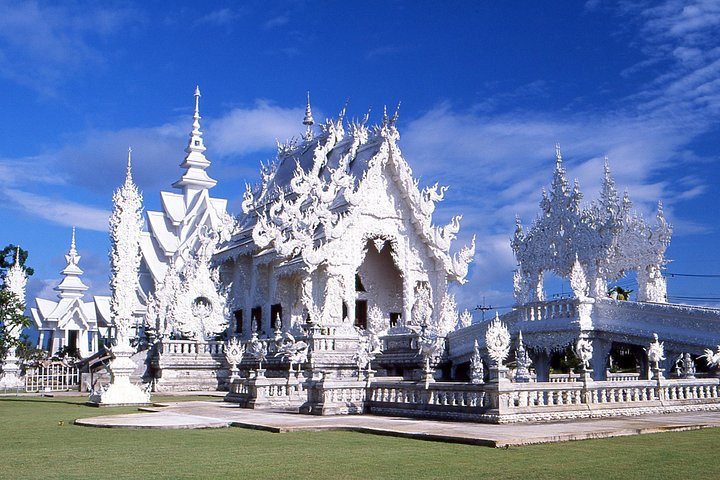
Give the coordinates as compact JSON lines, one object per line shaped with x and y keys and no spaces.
{"x":558,"y":155}
{"x":395,"y":116}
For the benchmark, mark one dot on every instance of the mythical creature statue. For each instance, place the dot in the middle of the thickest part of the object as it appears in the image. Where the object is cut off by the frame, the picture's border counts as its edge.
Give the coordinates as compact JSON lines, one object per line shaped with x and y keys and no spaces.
{"x":712,"y":358}
{"x":584,"y":351}
{"x":369,"y":346}
{"x":685,"y":366}
{"x":656,"y":352}
{"x":257,"y":350}
{"x":295,"y":351}
{"x":522,"y":362}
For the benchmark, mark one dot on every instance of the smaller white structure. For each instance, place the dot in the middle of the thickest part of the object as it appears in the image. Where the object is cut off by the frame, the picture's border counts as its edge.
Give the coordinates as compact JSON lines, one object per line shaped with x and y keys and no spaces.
{"x":15,"y":282}
{"x":125,"y":229}
{"x":70,"y":321}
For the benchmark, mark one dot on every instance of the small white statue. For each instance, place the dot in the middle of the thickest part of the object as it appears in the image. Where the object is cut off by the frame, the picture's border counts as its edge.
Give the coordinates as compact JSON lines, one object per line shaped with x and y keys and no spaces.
{"x":712,"y":358}
{"x":477,"y":371}
{"x":584,"y":351}
{"x":656,"y":352}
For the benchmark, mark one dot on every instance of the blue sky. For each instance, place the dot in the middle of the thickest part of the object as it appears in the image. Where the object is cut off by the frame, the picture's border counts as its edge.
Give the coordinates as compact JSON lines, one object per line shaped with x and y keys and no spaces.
{"x":487,"y":89}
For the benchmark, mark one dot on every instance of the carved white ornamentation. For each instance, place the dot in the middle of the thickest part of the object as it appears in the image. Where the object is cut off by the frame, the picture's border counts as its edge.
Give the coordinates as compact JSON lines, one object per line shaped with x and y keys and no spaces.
{"x":522,"y":362}
{"x":477,"y":371}
{"x":465,"y":319}
{"x":712,"y":358}
{"x":584,"y":351}
{"x":126,"y":224}
{"x":323,"y":204}
{"x":497,"y":341}
{"x":656,"y":351}
{"x":602,"y":241}
{"x":15,"y":281}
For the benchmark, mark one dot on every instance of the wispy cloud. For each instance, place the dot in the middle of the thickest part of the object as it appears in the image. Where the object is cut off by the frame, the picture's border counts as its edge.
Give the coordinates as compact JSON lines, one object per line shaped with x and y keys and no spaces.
{"x":246,"y":130}
{"x":276,"y":22}
{"x":57,"y":210}
{"x":219,"y":17}
{"x":40,"y":44}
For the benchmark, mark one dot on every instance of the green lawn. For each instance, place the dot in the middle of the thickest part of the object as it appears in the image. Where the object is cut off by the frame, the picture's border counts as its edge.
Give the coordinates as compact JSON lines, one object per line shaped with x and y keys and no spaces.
{"x":38,"y":440}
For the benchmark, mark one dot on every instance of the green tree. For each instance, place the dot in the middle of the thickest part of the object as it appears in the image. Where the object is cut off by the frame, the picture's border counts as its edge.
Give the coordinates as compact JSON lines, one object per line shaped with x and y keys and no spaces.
{"x":7,"y":260}
{"x":11,"y":317}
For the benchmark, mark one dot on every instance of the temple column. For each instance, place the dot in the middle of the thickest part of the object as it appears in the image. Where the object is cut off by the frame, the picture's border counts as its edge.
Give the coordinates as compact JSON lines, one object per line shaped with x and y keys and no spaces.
{"x":599,"y":361}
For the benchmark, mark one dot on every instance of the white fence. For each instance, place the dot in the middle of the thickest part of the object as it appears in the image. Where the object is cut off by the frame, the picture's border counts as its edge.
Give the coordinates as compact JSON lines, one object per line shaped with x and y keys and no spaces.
{"x":52,"y":377}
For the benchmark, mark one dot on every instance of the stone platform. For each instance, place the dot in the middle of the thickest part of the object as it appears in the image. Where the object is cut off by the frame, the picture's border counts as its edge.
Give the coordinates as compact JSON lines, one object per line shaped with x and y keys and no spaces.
{"x":204,"y":414}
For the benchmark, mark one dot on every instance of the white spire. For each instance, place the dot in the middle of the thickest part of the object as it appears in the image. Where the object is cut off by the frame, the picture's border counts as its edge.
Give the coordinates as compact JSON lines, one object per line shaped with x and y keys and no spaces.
{"x":128,"y":173}
{"x":308,"y":120}
{"x":195,"y":178}
{"x":71,"y":286}
{"x":125,"y":230}
{"x":16,"y":278}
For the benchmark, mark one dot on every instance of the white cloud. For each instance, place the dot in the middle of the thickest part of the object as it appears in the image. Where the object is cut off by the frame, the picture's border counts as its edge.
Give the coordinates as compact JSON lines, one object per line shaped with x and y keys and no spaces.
{"x":57,"y":210}
{"x":248,"y":130}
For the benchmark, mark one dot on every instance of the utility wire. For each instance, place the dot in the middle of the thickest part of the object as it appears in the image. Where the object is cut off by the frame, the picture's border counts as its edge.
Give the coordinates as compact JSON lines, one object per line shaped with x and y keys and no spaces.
{"x":696,"y":275}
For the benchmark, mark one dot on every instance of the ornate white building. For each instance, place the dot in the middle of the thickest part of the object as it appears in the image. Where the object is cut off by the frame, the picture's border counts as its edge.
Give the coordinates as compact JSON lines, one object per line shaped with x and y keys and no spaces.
{"x":339,"y":234}
{"x":71,"y":321}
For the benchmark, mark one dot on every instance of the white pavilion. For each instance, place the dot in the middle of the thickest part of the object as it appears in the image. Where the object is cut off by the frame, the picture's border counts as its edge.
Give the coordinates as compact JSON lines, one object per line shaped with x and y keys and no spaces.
{"x":71,"y":321}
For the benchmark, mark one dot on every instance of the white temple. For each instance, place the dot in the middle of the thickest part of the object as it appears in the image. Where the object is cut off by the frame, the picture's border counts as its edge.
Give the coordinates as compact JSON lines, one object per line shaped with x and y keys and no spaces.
{"x":329,"y":294}
{"x":71,"y":321}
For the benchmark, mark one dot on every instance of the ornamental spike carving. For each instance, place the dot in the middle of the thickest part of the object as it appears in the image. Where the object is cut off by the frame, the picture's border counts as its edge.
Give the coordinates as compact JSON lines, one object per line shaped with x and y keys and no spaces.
{"x":497,"y":341}
{"x":477,"y":371}
{"x":126,"y":224}
{"x":605,"y":239}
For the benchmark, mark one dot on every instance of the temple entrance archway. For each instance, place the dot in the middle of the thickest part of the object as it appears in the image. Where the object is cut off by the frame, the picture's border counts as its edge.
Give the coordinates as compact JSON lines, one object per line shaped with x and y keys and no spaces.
{"x":378,"y":285}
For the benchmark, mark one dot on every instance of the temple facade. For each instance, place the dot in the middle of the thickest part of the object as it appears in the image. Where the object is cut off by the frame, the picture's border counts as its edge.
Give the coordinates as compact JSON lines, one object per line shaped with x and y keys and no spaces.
{"x":339,"y":234}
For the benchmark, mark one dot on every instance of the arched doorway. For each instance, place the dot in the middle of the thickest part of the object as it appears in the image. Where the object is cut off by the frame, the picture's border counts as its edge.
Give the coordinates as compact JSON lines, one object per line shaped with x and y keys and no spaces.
{"x":378,"y":285}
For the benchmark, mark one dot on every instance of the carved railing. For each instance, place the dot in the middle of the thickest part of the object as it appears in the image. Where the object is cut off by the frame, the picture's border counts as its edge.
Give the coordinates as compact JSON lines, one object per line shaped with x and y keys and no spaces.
{"x":622,"y":376}
{"x":438,"y":397}
{"x":564,"y":377}
{"x":563,"y":308}
{"x":190,"y":347}
{"x":534,"y":398}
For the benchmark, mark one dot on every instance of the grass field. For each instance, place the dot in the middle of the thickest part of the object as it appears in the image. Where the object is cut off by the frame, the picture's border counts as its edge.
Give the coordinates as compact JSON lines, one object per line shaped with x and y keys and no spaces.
{"x":38,"y":440}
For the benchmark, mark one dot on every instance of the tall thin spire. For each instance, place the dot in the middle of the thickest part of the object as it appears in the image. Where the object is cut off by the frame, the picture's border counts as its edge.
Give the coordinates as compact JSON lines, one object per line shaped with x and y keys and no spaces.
{"x":308,"y":121}
{"x":195,"y":178}
{"x":128,"y":176}
{"x":73,"y":252}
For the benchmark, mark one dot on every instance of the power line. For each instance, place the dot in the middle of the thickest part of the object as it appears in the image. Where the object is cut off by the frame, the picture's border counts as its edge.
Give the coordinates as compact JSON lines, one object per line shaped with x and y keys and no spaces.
{"x":696,"y":275}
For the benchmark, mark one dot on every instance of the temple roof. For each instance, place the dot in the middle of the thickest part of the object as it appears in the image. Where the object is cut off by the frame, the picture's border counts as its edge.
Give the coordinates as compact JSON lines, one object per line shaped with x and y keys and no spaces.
{"x":172,"y":234}
{"x":308,"y":195}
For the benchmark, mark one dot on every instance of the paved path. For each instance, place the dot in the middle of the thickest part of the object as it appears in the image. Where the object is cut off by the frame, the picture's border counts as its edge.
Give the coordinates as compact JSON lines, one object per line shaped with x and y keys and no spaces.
{"x":204,"y":414}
